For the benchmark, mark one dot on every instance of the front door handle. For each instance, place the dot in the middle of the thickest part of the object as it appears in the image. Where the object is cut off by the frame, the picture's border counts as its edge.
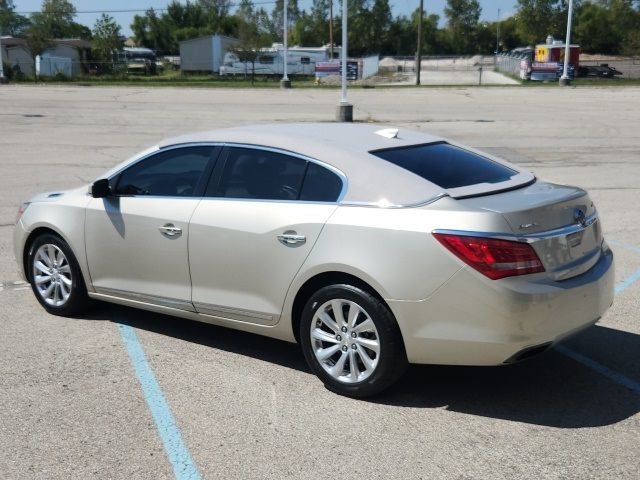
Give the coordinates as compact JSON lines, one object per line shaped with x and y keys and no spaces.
{"x":170,"y":230}
{"x":291,"y":238}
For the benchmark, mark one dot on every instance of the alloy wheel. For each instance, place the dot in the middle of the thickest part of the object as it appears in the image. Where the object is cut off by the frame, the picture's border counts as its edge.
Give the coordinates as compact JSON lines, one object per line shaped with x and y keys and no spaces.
{"x":52,"y":275}
{"x":345,"y":340}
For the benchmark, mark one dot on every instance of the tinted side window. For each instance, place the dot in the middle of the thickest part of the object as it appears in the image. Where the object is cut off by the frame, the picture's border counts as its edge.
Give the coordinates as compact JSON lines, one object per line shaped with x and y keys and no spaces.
{"x":260,"y":174}
{"x":447,"y":166}
{"x":172,"y":173}
{"x":320,"y":185}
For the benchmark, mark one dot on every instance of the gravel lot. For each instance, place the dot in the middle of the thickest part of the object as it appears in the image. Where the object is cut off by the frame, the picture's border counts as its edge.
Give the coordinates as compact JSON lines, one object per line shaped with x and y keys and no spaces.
{"x":71,"y":405}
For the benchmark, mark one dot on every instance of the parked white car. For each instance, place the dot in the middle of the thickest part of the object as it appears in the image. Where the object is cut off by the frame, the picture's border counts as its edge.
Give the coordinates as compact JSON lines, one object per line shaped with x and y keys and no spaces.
{"x":371,"y":247}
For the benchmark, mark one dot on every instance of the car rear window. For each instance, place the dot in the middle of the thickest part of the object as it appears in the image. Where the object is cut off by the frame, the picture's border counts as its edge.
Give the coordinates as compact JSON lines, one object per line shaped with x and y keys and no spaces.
{"x":446,"y":165}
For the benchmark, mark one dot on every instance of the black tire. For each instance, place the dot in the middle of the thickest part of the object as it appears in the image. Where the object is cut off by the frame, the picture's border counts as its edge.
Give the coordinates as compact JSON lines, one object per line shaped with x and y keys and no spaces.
{"x":391,"y":360}
{"x":78,"y":300}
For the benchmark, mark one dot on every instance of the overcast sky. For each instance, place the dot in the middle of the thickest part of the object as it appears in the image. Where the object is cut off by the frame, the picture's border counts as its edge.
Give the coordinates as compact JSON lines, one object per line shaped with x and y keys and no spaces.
{"x":489,"y":8}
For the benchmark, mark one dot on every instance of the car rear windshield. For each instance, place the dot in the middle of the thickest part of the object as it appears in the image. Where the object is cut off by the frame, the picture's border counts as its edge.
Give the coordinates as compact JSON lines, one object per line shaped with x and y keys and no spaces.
{"x":446,"y":165}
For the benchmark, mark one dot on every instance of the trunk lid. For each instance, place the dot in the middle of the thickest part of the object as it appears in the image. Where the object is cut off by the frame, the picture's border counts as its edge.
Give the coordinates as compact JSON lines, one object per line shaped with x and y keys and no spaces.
{"x":560,"y":222}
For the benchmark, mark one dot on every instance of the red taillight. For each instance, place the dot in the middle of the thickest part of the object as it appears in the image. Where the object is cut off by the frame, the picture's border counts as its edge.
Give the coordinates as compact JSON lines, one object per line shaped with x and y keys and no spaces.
{"x":492,"y":257}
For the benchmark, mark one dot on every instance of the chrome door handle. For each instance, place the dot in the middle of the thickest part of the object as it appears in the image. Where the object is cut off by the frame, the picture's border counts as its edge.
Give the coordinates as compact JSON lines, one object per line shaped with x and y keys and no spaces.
{"x":291,"y":238}
{"x":170,"y":230}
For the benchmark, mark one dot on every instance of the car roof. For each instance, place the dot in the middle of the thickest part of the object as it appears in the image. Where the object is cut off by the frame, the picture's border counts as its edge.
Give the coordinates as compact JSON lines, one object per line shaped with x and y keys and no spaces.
{"x":344,"y":146}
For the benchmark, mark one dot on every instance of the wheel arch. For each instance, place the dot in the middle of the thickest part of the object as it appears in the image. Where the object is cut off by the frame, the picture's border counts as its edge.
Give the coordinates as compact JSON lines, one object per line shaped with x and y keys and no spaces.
{"x":44,"y":230}
{"x":321,"y":280}
{"x":35,"y":233}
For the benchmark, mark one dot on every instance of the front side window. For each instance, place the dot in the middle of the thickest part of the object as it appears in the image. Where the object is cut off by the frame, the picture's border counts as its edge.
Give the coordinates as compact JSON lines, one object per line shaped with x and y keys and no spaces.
{"x":175,"y":172}
{"x":446,"y":165}
{"x":260,"y":174}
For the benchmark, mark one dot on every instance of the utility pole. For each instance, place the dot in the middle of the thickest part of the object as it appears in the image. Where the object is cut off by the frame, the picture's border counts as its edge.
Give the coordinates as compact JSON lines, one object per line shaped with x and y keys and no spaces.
{"x":330,"y":29}
{"x":345,"y":110}
{"x":419,"y":46}
{"x":2,"y":79}
{"x":564,"y":80}
{"x":285,"y":82}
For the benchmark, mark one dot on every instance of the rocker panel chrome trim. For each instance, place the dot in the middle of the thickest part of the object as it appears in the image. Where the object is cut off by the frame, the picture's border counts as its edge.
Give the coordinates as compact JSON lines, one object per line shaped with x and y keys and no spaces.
{"x":234,"y":313}
{"x":141,"y":297}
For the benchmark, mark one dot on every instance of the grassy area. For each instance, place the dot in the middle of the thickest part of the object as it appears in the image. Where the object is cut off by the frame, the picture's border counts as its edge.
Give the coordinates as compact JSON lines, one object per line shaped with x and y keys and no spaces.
{"x":177,"y":79}
{"x":592,"y":82}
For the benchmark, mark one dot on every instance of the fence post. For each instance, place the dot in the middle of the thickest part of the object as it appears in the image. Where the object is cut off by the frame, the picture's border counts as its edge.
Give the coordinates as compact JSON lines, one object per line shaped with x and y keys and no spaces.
{"x":480,"y":75}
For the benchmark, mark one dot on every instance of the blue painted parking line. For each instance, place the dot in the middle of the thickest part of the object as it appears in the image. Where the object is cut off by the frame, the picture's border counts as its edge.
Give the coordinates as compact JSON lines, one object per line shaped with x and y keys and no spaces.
{"x":627,"y":282}
{"x":183,"y":465}
{"x":601,"y":369}
{"x":635,"y":276}
{"x":624,"y":245}
{"x":592,"y":364}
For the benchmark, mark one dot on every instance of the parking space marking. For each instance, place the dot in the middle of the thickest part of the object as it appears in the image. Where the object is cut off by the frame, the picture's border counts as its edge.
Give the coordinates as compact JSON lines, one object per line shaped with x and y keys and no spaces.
{"x":627,"y":282}
{"x":592,"y":364}
{"x":601,"y":369}
{"x":183,"y":465}
{"x":624,"y":245}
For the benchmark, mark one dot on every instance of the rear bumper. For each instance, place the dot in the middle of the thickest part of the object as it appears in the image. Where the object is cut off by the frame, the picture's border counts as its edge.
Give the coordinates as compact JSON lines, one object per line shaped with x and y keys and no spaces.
{"x":471,"y":320}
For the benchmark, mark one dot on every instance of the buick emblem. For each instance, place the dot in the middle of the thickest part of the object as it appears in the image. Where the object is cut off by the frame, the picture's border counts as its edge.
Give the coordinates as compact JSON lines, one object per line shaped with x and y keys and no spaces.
{"x":579,"y":216}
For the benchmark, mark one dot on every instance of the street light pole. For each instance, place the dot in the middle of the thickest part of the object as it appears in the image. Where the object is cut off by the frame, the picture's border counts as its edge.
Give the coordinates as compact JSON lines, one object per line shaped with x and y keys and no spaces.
{"x":285,"y":82}
{"x":564,"y":80}
{"x":345,"y":110}
{"x":419,"y":46}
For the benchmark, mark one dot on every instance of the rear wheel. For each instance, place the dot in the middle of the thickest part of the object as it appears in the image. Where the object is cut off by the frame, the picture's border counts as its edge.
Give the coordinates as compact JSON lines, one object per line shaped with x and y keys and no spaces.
{"x":351,"y":341}
{"x":55,"y":276}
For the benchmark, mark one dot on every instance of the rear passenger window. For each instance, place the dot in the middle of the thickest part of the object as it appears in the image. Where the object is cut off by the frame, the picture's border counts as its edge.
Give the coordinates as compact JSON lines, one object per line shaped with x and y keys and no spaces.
{"x":446,"y":165}
{"x":320,"y":185}
{"x":260,"y":174}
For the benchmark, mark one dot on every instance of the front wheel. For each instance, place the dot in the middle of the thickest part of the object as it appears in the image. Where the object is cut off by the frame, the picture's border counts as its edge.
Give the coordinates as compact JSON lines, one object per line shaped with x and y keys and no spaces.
{"x":351,"y":341}
{"x":55,"y":276}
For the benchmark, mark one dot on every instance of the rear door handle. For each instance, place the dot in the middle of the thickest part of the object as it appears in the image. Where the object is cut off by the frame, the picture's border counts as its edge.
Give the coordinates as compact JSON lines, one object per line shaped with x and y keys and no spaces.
{"x":291,"y":238}
{"x":170,"y":230}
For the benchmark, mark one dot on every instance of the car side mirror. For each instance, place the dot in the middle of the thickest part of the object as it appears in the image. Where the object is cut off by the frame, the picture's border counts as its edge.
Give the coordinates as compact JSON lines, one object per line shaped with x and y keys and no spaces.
{"x":100,"y":188}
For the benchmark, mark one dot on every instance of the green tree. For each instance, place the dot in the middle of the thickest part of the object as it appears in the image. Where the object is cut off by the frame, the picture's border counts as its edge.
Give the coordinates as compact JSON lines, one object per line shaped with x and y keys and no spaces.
{"x":106,"y":42}
{"x":38,"y":39}
{"x":538,"y":18}
{"x":312,"y":29}
{"x":57,"y":17}
{"x":11,"y":23}
{"x":380,"y":25}
{"x":277,"y":18}
{"x":250,"y":41}
{"x":462,"y":21}
{"x":402,"y":36}
{"x":217,"y":15}
{"x":153,"y":32}
{"x":434,"y":40}
{"x":606,"y":26}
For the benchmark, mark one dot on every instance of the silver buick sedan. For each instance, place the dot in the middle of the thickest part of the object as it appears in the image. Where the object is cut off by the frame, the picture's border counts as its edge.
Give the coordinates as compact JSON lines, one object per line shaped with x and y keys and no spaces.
{"x":371,"y":247}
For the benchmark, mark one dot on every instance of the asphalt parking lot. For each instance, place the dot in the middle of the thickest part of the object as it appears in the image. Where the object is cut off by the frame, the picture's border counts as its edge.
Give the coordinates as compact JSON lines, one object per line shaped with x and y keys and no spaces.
{"x":127,"y":394}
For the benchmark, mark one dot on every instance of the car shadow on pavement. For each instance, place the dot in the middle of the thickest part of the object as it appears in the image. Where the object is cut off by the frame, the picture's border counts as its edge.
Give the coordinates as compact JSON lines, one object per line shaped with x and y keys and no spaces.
{"x":550,"y":390}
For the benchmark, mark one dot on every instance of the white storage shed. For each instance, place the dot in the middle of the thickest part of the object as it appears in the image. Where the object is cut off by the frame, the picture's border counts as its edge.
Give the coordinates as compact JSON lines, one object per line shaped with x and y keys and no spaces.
{"x":204,"y":54}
